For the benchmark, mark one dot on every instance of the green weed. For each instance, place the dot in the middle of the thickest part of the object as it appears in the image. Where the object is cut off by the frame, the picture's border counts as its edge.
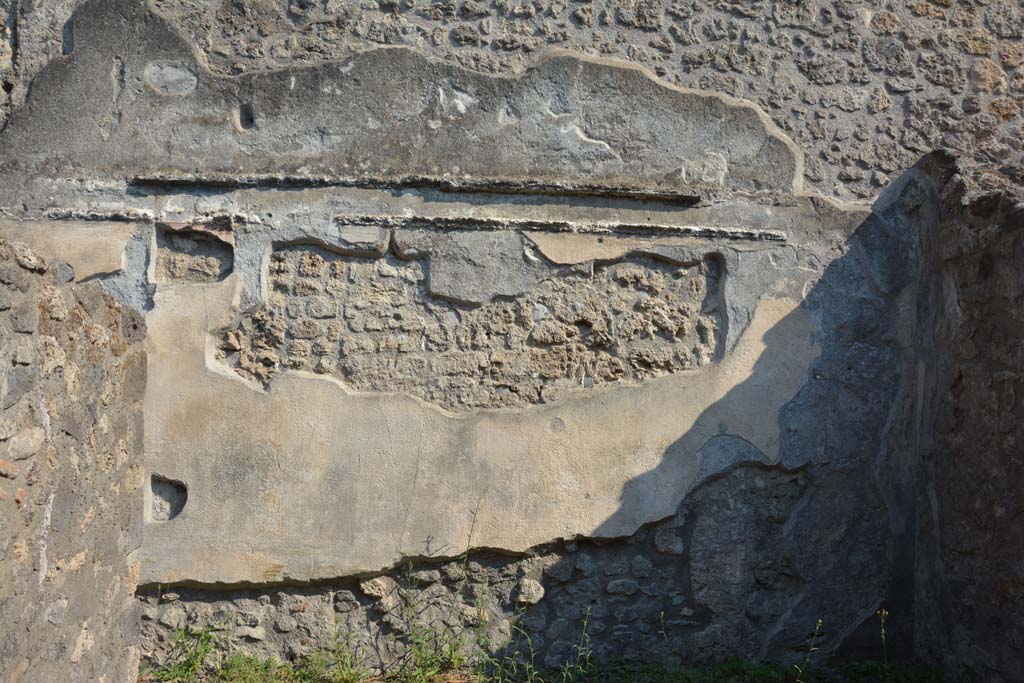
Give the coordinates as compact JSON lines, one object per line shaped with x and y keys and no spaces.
{"x":187,"y":659}
{"x":435,"y":656}
{"x":802,"y":667}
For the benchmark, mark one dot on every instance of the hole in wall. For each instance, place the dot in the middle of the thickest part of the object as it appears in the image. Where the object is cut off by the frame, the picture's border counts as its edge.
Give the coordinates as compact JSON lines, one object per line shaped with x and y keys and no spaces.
{"x":246,"y":116}
{"x":192,"y":256}
{"x":67,"y":43}
{"x":169,"y":498}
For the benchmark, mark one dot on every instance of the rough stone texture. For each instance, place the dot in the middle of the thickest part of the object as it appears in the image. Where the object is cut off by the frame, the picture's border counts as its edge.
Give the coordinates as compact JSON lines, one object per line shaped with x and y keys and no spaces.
{"x":970,"y":606}
{"x":728,"y":568}
{"x":645,"y":597}
{"x":374,"y":323}
{"x":72,"y":376}
{"x":191,"y":256}
{"x":865,"y":86}
{"x":386,"y":116}
{"x":695,"y":511}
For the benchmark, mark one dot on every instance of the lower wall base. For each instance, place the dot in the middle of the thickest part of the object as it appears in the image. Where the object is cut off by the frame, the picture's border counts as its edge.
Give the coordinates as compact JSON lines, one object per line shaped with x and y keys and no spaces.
{"x":712,"y":581}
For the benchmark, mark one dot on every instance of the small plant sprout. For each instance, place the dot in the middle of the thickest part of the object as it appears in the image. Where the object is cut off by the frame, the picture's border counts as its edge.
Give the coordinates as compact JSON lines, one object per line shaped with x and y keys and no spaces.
{"x":883,"y":614}
{"x":804,"y":666}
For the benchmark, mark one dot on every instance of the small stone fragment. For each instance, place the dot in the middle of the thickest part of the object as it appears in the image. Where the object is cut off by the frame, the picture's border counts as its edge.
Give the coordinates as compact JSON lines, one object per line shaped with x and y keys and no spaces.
{"x":378,"y":587}
{"x":885,"y":23}
{"x":251,"y":632}
{"x":640,"y":567}
{"x":25,"y":318}
{"x":988,"y":77}
{"x":24,"y":352}
{"x":427,"y":576}
{"x":28,"y":259}
{"x":1004,"y":108}
{"x":622,"y":587}
{"x":62,"y":272}
{"x":667,"y":541}
{"x":530,"y":591}
{"x":345,"y":601}
{"x":879,"y":101}
{"x":8,"y":428}
{"x":174,"y":617}
{"x":26,"y":443}
{"x":52,"y":302}
{"x":8,"y":469}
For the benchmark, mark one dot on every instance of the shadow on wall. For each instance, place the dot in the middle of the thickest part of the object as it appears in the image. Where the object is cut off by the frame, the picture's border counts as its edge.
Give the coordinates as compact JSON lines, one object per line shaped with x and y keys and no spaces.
{"x":970,"y":578}
{"x":822,"y":524}
{"x":826,"y":527}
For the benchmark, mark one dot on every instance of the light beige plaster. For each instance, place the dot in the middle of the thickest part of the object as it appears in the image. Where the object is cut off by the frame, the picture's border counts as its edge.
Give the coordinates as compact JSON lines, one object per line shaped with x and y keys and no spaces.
{"x":91,"y":248}
{"x":310,"y":480}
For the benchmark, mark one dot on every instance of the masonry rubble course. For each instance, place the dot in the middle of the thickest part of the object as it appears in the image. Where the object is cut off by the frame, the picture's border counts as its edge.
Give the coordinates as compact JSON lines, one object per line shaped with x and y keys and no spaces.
{"x":398,"y":311}
{"x":71,"y":471}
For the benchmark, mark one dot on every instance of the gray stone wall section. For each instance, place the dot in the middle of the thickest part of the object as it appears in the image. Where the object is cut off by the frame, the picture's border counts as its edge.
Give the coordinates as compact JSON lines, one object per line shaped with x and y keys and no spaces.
{"x":865,"y":87}
{"x":658,"y":595}
{"x":917,"y":318}
{"x":970,"y":604}
{"x":72,"y":375}
{"x":753,"y":556}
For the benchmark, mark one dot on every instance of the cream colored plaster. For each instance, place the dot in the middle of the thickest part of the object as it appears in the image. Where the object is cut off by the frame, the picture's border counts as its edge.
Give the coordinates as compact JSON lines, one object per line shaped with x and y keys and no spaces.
{"x":91,"y":248}
{"x":310,"y":480}
{"x":572,"y":248}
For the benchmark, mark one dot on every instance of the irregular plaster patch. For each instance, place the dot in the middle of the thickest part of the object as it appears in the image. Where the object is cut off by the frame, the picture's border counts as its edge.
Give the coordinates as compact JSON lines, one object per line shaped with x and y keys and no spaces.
{"x":91,"y":248}
{"x":310,"y":480}
{"x":167,"y":78}
{"x":381,"y":118}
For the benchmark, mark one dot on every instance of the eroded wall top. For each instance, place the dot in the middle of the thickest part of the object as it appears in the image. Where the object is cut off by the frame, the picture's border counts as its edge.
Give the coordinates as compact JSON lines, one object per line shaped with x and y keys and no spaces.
{"x":146,"y":107}
{"x":864,"y":86}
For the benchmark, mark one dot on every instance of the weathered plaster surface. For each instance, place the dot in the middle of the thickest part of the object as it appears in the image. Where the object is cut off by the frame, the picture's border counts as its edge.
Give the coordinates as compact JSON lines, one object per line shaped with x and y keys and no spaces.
{"x":399,"y":474}
{"x":771,"y":481}
{"x":864,"y":86}
{"x":704,"y":508}
{"x":92,"y":249}
{"x":382,"y":116}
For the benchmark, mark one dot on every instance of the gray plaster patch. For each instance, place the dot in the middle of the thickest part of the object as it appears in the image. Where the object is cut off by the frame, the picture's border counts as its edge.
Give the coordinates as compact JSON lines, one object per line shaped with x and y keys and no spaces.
{"x":384,"y":116}
{"x":168,"y":78}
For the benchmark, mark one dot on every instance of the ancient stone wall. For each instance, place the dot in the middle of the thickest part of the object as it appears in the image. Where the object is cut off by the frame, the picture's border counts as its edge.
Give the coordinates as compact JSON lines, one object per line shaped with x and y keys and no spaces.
{"x":456,"y":338}
{"x":658,"y":594}
{"x":864,"y":86}
{"x":374,"y":323}
{"x":72,"y":375}
{"x":969,"y":575}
